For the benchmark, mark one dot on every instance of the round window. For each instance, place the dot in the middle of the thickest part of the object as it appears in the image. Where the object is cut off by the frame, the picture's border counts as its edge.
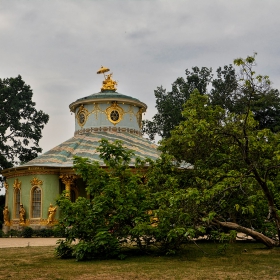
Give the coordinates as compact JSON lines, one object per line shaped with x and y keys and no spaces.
{"x":82,"y":118}
{"x":114,"y":115}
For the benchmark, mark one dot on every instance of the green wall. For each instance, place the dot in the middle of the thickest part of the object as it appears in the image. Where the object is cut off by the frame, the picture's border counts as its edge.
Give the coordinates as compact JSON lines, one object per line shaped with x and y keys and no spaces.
{"x":50,"y":193}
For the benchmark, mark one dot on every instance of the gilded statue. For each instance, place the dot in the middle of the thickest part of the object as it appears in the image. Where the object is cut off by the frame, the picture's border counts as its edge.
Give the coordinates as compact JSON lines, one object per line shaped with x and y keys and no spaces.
{"x":108,"y":83}
{"x":51,"y":214}
{"x":6,"y":216}
{"x":22,"y":215}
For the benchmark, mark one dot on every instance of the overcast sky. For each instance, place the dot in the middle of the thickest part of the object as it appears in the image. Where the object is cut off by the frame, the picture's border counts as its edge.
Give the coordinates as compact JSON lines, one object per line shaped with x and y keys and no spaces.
{"x":57,"y":47}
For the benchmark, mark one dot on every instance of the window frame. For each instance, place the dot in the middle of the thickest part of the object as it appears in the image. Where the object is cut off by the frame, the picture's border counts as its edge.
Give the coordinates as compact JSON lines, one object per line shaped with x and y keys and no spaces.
{"x":39,"y":209}
{"x":17,"y":201}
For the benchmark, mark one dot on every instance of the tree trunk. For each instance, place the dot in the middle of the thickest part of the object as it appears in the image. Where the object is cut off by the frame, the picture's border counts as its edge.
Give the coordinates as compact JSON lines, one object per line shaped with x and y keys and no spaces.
{"x":270,"y":243}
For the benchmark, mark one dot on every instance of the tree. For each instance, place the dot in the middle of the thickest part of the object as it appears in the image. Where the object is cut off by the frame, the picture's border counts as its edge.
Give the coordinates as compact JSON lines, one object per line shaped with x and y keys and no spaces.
{"x":265,"y":104}
{"x":235,"y":163}
{"x":20,"y":123}
{"x":124,"y":205}
{"x":170,"y":104}
{"x":222,"y":90}
{"x":117,"y":207}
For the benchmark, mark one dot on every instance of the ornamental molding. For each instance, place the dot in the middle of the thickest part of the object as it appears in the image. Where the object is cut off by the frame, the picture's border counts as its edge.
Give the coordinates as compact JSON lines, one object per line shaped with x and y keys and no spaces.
{"x":27,"y":171}
{"x":139,"y":117}
{"x":36,"y":182}
{"x":17,"y":184}
{"x":6,"y":185}
{"x":97,"y":110}
{"x":82,"y":115}
{"x":114,"y":113}
{"x":108,"y":129}
{"x":68,"y":179}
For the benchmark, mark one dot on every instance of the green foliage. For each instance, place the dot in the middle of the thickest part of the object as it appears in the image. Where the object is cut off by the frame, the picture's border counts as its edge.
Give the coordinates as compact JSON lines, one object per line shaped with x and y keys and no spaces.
{"x":225,"y":89}
{"x":48,"y":232}
{"x":234,"y":163}
{"x":27,"y":232}
{"x":20,"y":123}
{"x":146,"y":206}
{"x":218,"y":168}
{"x":170,"y":104}
{"x":13,"y":233}
{"x":118,"y":205}
{"x":64,"y":250}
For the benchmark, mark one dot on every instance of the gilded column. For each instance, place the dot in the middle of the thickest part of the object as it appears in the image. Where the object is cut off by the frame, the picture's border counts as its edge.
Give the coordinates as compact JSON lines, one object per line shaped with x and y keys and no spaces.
{"x":68,"y":180}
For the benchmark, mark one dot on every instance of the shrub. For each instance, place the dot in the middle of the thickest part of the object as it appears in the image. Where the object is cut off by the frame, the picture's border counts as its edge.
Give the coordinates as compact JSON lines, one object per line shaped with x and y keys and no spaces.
{"x":64,"y":250}
{"x":27,"y":232}
{"x":58,"y":232}
{"x":45,"y":232}
{"x":13,"y":232}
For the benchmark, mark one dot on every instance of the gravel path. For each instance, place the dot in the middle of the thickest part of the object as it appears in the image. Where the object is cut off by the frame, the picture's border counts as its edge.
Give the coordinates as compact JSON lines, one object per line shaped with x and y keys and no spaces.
{"x":24,"y":242}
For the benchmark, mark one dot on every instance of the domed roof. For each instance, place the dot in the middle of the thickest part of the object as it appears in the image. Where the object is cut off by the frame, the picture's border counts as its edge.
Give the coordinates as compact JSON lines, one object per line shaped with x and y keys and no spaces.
{"x":107,"y":95}
{"x":85,"y":145}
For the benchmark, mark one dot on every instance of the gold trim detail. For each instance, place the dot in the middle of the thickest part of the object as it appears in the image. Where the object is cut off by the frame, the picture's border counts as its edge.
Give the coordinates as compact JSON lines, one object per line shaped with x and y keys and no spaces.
{"x":68,"y":180}
{"x":17,"y":184}
{"x":6,"y":185}
{"x":96,"y":110}
{"x":114,"y":113}
{"x":36,"y":182}
{"x":139,"y":117}
{"x":109,"y":129}
{"x":82,"y":116}
{"x":130,"y":112}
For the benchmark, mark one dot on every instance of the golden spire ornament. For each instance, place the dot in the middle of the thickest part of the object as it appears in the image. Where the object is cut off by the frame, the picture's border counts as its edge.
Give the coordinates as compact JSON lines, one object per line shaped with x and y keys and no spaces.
{"x":108,"y":83}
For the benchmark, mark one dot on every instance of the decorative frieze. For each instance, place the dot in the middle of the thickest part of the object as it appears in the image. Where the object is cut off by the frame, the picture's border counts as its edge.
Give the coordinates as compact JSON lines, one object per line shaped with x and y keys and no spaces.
{"x":108,"y":129}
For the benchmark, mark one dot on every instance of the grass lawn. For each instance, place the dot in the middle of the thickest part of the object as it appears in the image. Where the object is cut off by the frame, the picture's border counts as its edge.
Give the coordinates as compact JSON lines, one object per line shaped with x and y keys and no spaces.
{"x":242,"y":260}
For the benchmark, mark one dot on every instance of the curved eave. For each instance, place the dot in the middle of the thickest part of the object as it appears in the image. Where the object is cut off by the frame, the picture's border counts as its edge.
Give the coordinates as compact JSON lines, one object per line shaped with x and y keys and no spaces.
{"x":36,"y":170}
{"x":104,"y":99}
{"x":84,"y":145}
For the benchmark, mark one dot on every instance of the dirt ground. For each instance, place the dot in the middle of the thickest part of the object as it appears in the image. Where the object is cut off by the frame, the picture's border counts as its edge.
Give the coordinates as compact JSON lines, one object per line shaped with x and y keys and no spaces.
{"x":24,"y":242}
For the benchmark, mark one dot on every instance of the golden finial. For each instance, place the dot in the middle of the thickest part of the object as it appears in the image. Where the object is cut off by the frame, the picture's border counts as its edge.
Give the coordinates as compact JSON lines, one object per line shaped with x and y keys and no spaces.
{"x":108,"y":83}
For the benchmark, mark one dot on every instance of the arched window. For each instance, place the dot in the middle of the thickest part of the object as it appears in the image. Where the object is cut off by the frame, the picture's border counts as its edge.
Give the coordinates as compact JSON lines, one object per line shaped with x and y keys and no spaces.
{"x":36,"y":202}
{"x":17,"y":203}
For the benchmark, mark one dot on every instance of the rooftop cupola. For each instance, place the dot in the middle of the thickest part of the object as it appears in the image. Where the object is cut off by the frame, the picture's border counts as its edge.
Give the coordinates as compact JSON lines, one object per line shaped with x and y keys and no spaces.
{"x":108,"y":110}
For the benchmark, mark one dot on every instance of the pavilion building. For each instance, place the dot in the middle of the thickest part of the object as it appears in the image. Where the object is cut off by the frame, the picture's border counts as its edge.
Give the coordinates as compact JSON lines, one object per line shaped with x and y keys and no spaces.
{"x":33,"y":188}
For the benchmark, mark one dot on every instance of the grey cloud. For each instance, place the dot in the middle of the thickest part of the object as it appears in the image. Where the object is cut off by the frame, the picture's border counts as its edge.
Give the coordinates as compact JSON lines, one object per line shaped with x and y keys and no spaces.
{"x":57,"y":46}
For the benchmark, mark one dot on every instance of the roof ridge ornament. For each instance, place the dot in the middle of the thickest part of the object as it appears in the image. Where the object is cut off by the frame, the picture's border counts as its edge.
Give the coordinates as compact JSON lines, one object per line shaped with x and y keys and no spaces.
{"x":108,"y":83}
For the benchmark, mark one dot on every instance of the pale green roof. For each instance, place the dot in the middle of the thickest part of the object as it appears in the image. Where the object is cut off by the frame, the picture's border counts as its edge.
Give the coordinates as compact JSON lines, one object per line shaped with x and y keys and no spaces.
{"x":85,"y":145}
{"x":108,"y":94}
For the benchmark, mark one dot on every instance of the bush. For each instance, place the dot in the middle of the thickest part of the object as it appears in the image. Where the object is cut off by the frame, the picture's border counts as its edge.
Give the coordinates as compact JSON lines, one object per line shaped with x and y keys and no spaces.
{"x":103,"y":245}
{"x":27,"y":232}
{"x":59,"y":232}
{"x":45,"y":232}
{"x":13,"y":233}
{"x":64,"y":250}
